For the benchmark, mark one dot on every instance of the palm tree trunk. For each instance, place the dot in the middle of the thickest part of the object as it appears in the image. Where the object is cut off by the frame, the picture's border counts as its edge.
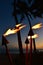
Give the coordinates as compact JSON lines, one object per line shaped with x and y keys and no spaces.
{"x":33,"y":39}
{"x":19,"y":38}
{"x":34,"y":45}
{"x":18,"y":33}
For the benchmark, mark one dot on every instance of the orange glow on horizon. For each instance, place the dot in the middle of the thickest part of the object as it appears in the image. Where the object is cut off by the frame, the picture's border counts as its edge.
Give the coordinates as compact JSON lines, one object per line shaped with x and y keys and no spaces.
{"x":37,"y":26}
{"x":38,"y":46}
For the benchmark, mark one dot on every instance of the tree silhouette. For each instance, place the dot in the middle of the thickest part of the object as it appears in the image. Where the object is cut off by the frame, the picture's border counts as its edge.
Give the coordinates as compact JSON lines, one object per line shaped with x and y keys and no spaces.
{"x":24,"y":9}
{"x":18,"y":33}
{"x":35,"y":9}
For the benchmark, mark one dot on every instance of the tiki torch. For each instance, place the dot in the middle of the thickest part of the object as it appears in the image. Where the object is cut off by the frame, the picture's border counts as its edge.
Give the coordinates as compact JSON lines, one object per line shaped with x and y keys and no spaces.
{"x":27,"y":42}
{"x":31,"y":35}
{"x":5,"y":42}
{"x":9,"y":32}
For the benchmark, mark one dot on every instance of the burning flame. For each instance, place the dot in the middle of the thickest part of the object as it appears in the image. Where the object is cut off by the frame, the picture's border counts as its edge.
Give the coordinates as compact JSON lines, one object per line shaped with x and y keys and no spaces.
{"x":37,"y":26}
{"x":9,"y":31}
{"x":22,"y":27}
{"x":13,"y":31}
{"x":18,"y":25}
{"x":34,"y":36}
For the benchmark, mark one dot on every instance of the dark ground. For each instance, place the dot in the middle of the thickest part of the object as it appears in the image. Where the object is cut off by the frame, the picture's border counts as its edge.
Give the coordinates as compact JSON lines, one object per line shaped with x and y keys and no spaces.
{"x":37,"y":59}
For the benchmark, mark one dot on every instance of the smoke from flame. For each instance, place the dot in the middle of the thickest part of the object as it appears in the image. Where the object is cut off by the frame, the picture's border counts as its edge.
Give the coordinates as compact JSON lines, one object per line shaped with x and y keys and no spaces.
{"x":13,"y":31}
{"x":37,"y":26}
{"x":34,"y":36}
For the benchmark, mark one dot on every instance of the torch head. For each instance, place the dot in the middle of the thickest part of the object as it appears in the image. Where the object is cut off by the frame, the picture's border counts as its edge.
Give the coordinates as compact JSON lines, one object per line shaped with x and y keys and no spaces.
{"x":27,"y":41}
{"x":30,"y":32}
{"x":4,"y":40}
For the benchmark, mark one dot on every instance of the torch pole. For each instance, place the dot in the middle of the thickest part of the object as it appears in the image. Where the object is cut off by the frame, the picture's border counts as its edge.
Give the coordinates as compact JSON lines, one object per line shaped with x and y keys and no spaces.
{"x":30,"y":50}
{"x":9,"y":56}
{"x":26,"y":54}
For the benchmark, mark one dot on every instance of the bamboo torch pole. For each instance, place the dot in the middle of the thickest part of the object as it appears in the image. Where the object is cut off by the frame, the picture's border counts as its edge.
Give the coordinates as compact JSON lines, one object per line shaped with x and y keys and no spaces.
{"x":27,"y":42}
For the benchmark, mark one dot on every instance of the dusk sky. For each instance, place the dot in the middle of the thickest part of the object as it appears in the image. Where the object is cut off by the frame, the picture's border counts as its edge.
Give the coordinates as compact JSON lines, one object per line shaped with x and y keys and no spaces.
{"x":7,"y":21}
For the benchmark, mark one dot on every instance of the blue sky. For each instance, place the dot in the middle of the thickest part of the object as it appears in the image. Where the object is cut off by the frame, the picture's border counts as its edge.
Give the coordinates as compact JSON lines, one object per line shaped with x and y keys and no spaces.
{"x":7,"y":21}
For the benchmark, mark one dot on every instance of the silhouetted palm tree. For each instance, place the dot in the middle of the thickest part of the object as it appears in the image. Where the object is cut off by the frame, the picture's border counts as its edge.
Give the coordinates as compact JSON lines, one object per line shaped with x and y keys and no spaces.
{"x":24,"y":9}
{"x":37,"y":8}
{"x":18,"y":33}
{"x":34,"y":9}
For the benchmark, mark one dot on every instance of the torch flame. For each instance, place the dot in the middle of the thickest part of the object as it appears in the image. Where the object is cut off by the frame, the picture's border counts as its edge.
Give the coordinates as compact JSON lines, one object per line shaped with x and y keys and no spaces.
{"x":22,"y":27}
{"x":37,"y":26}
{"x":13,"y":31}
{"x":9,"y":31}
{"x":34,"y":36}
{"x":19,"y":25}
